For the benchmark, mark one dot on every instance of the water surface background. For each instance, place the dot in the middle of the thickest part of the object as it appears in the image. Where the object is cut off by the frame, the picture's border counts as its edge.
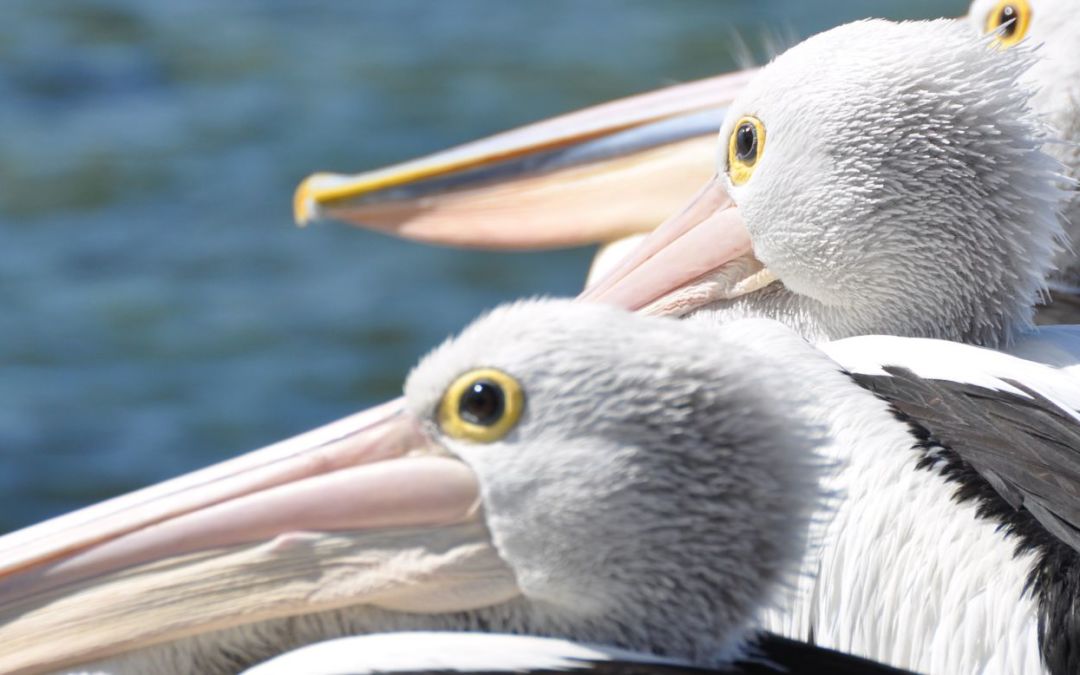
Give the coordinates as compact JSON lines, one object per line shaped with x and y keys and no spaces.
{"x":159,"y":311}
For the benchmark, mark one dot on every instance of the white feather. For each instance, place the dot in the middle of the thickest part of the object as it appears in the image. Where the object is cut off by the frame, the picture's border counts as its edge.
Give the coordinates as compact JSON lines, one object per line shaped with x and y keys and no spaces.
{"x":451,"y":652}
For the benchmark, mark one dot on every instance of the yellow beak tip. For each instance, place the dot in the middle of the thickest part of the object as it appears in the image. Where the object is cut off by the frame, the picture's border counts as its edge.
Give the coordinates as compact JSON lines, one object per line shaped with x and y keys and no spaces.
{"x":305,"y":199}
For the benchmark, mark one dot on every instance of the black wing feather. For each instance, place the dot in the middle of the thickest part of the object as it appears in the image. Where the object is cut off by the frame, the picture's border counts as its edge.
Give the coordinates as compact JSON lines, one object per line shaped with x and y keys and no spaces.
{"x":1026,"y":447}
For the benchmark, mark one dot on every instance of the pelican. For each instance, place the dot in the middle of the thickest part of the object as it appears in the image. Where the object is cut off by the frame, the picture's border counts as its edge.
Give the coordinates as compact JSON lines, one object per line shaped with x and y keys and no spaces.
{"x":905,"y":194}
{"x":651,"y":494}
{"x":626,"y":480}
{"x":417,"y":653}
{"x":612,"y":172}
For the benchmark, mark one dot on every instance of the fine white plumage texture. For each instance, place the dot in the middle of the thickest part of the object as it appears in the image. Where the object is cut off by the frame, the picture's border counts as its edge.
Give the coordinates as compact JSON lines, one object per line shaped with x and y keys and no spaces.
{"x":901,"y":190}
{"x":940,"y":360}
{"x":445,"y":652}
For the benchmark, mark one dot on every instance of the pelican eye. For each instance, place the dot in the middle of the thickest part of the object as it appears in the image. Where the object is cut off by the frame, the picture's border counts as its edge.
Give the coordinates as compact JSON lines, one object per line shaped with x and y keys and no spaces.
{"x":745,"y":146}
{"x":746,"y":143}
{"x":481,"y":406}
{"x":1010,"y":20}
{"x":482,"y":403}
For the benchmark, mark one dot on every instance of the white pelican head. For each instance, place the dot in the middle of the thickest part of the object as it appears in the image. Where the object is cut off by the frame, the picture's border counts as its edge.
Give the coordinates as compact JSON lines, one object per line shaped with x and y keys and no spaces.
{"x":647,"y":492}
{"x":884,"y":187}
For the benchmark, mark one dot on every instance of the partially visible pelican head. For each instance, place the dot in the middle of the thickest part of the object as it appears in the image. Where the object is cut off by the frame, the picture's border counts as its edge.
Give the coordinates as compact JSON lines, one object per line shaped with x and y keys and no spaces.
{"x":883,"y":187}
{"x":1052,"y":28}
{"x":541,"y":477}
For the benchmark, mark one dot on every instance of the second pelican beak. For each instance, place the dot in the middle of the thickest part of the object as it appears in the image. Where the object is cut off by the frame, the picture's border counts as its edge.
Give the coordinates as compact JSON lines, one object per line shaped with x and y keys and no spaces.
{"x":701,"y":255}
{"x":365,"y":511}
{"x":591,"y":176}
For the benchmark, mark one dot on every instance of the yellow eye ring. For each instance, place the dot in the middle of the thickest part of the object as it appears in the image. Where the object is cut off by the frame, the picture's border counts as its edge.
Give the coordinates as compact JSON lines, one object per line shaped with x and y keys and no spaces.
{"x":1015,"y":16}
{"x":745,"y":146}
{"x":481,"y":406}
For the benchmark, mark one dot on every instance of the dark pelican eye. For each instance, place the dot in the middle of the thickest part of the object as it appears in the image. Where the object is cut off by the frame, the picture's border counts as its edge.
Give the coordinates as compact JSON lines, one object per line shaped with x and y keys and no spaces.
{"x":481,"y":406}
{"x":1009,"y":20}
{"x":745,"y":146}
{"x":482,"y":403}
{"x":746,"y":143}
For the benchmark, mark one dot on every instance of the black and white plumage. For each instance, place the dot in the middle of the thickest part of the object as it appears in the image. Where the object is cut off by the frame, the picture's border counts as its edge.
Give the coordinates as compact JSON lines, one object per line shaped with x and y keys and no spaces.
{"x":1015,"y":454}
{"x":954,"y":547}
{"x":488,"y":654}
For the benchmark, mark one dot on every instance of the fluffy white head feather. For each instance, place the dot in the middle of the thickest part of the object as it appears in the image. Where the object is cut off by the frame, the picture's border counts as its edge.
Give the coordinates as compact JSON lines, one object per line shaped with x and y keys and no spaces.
{"x":902,"y":188}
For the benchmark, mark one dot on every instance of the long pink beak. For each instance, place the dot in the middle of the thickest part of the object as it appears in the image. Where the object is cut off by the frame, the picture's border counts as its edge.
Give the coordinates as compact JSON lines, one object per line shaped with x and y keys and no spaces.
{"x":370,"y":474}
{"x":701,"y":255}
{"x":594,"y":175}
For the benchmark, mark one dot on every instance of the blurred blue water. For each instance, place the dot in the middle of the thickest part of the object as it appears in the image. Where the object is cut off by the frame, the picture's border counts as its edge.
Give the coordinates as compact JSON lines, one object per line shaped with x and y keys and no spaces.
{"x":160,"y":311}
